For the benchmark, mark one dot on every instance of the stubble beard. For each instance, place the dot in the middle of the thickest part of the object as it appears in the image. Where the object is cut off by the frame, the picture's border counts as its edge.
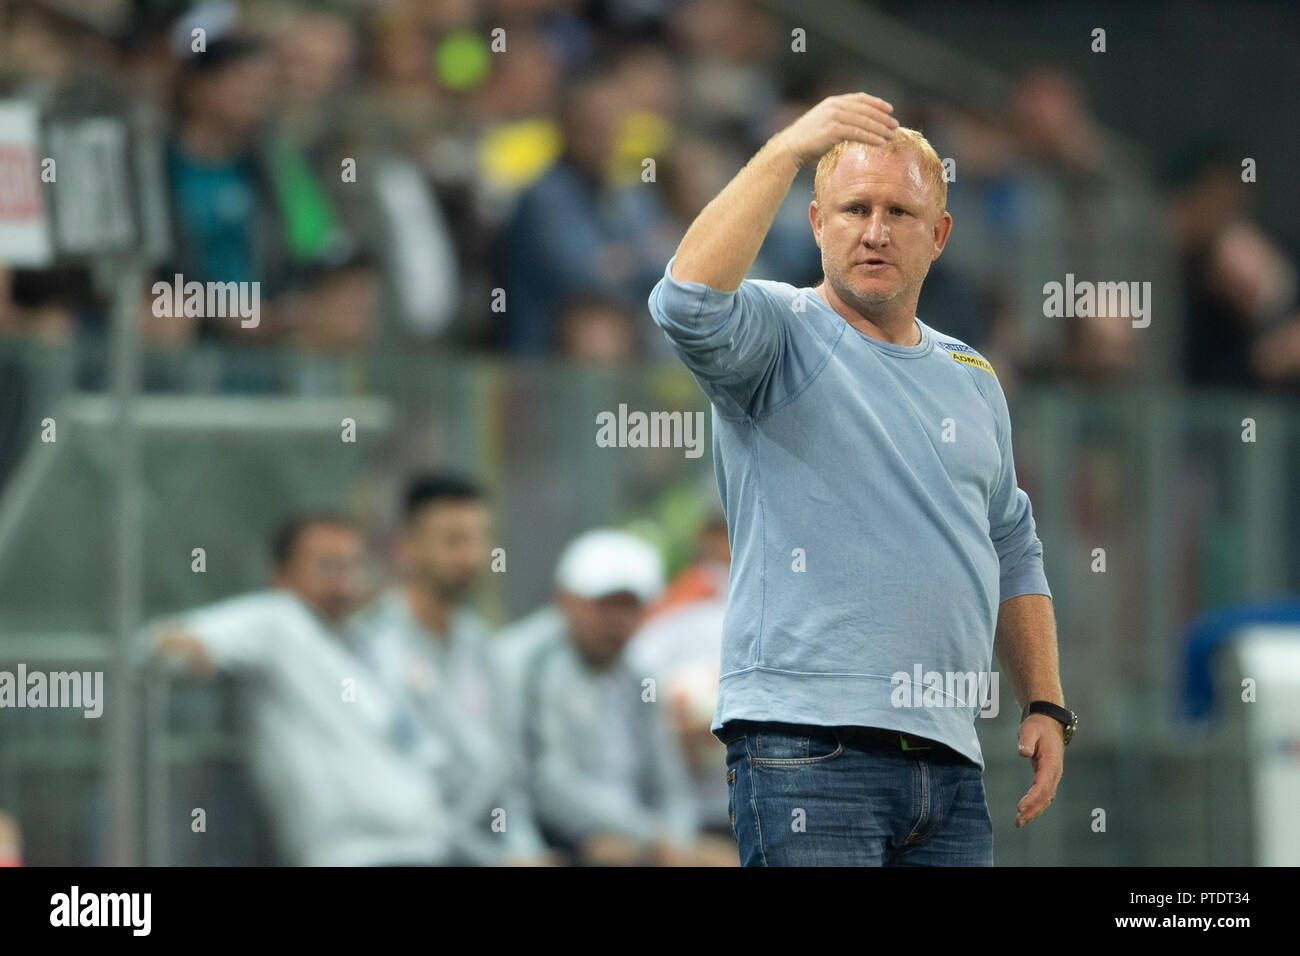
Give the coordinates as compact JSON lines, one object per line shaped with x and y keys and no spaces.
{"x":871,"y":305}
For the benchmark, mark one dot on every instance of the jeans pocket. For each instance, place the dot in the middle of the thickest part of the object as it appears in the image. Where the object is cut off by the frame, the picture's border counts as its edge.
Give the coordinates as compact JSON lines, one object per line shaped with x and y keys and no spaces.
{"x":779,"y":748}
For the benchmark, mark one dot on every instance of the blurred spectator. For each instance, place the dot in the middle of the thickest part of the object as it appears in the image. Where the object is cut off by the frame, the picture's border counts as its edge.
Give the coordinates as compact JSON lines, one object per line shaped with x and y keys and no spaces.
{"x":315,"y":51}
{"x":341,"y":766}
{"x":47,"y":48}
{"x":646,"y":75}
{"x":1054,"y":126}
{"x":318,"y":113}
{"x":691,"y":172}
{"x":218,"y":193}
{"x":246,"y":206}
{"x":1100,"y":348}
{"x":569,"y":29}
{"x":37,"y":48}
{"x":48,"y":319}
{"x":334,"y":310}
{"x":631,"y":16}
{"x":705,"y":578}
{"x":54,"y":57}
{"x":690,"y":175}
{"x":574,"y":230}
{"x":606,"y":773}
{"x":1240,"y":289}
{"x":597,"y":330}
{"x":421,"y":265}
{"x":432,"y":649}
{"x":400,"y":97}
{"x":729,"y":89}
{"x":523,"y":84}
{"x":147,"y":65}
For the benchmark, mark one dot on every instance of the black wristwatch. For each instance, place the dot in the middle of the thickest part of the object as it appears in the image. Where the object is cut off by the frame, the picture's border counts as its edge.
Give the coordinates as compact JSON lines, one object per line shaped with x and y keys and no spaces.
{"x":1068,"y":718}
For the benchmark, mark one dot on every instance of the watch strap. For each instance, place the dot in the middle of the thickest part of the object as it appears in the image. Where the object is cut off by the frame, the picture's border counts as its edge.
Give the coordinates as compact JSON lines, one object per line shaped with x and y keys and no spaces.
{"x":1065,"y":717}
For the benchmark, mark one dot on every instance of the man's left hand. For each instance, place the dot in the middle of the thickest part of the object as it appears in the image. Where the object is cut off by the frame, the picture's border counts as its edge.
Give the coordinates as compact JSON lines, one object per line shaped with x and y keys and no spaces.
{"x":1042,"y":740}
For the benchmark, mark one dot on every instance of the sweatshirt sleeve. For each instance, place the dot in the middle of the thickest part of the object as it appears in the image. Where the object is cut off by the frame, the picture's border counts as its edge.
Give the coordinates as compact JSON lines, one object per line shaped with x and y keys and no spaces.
{"x":1011,"y":515}
{"x":739,"y":344}
{"x":239,"y":634}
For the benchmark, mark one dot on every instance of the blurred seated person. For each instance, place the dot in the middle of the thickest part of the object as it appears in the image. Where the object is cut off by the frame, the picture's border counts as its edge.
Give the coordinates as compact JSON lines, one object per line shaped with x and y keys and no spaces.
{"x":341,"y":767}
{"x":607,"y":777}
{"x":432,"y":649}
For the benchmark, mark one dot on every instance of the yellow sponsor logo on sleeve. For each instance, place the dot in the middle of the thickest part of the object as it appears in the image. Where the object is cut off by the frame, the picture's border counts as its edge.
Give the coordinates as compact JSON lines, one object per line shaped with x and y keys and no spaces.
{"x":973,"y":360}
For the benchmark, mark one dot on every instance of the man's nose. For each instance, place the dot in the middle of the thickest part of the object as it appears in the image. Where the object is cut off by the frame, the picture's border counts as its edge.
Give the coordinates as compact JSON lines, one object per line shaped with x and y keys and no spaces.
{"x":877,"y":231}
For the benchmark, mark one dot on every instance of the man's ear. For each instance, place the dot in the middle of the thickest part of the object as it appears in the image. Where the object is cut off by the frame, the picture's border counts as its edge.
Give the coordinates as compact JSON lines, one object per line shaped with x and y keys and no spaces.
{"x":815,"y":221}
{"x":942,"y":229}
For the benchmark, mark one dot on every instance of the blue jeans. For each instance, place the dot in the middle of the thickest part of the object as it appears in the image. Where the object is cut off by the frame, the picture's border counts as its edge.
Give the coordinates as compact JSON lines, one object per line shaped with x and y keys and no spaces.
{"x":833,"y":796}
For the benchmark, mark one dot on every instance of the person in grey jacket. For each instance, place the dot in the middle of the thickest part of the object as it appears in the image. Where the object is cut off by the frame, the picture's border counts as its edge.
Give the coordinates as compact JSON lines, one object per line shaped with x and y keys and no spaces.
{"x":607,"y":777}
{"x":432,"y":651}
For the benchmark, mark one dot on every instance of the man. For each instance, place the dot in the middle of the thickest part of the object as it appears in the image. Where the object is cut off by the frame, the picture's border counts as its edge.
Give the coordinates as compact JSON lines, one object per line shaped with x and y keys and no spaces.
{"x":865,"y":465}
{"x":340,"y":767}
{"x":606,"y":774}
{"x":432,"y":650}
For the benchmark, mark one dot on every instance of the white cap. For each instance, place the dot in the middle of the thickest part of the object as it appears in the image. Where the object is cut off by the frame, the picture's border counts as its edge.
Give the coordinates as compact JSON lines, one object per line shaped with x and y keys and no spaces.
{"x":217,"y":19}
{"x":605,"y":561}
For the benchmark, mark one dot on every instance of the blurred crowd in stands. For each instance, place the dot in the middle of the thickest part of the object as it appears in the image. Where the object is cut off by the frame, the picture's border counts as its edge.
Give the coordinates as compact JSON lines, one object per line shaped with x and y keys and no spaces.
{"x":473,"y":174}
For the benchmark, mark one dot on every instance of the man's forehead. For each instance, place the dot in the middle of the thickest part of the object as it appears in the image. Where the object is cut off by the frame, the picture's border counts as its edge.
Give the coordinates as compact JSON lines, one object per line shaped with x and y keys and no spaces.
{"x":329,"y":539}
{"x":329,"y":531}
{"x":864,"y":169}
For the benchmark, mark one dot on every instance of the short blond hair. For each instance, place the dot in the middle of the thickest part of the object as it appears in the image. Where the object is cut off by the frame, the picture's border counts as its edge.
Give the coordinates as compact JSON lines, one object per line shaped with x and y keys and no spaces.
{"x":905,"y":140}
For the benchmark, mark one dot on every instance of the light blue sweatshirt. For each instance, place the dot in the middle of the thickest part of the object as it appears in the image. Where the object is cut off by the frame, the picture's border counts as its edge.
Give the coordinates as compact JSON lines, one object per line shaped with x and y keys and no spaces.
{"x":874,"y":515}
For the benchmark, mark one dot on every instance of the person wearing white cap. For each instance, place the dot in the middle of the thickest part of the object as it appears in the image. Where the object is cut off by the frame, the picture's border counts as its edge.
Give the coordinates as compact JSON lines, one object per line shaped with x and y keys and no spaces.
{"x":608,"y":780}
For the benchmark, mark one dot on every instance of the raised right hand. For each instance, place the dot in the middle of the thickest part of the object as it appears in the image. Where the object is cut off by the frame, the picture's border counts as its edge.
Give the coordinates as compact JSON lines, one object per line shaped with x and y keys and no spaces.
{"x":857,"y":116}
